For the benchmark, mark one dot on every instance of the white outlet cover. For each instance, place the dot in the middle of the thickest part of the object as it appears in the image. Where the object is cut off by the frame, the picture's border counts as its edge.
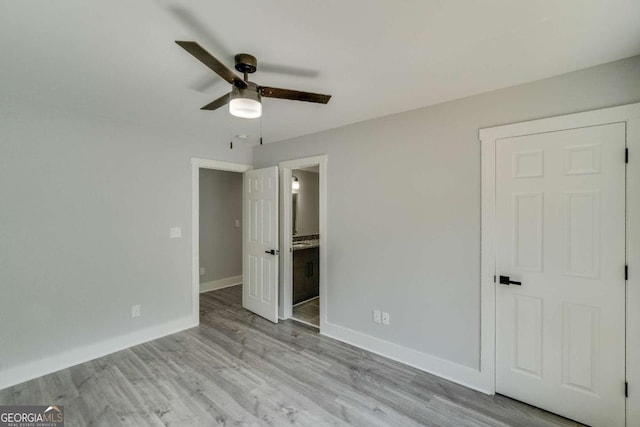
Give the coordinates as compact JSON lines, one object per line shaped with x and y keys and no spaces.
{"x":202,"y":271}
{"x":376,"y":316}
{"x":385,"y":318}
{"x":175,"y":232}
{"x":236,"y":223}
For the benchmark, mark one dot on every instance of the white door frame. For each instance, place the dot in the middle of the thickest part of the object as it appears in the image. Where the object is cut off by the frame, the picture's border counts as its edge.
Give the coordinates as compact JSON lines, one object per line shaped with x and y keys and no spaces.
{"x":196,"y":165}
{"x":629,"y":114}
{"x":286,"y":258}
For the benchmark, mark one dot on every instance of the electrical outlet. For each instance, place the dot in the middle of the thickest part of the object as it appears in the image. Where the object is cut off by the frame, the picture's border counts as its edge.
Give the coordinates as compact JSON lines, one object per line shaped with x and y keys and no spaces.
{"x":175,"y":232}
{"x":202,"y":271}
{"x":385,"y":318}
{"x":376,"y":316}
{"x":236,"y":223}
{"x":135,"y":310}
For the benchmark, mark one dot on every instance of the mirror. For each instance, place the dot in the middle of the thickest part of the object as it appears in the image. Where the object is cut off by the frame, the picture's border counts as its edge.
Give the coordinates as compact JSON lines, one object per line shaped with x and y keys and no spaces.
{"x":295,"y":187}
{"x":294,"y":208}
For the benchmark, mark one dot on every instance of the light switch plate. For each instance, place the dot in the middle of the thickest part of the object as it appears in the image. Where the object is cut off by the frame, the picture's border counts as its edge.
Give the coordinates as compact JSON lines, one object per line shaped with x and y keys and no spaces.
{"x":236,"y":223}
{"x":135,"y":310}
{"x":175,"y":232}
{"x":202,"y":271}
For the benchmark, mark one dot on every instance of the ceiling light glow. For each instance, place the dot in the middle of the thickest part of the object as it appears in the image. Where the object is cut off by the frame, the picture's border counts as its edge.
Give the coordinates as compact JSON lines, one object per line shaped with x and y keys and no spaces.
{"x":245,"y":103}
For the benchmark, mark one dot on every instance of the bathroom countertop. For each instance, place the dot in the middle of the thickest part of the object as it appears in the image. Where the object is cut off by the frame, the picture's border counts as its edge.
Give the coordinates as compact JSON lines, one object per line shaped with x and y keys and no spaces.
{"x":306,"y":242}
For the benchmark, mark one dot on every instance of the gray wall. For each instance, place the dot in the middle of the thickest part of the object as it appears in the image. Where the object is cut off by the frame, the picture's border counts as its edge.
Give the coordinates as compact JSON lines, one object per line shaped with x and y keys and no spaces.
{"x":308,"y":218}
{"x":220,"y":241}
{"x":404,"y":206}
{"x":86,"y":204}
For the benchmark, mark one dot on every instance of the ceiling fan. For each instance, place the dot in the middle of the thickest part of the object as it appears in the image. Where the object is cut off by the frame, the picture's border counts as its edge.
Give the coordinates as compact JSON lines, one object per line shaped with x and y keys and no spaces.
{"x":245,"y":97}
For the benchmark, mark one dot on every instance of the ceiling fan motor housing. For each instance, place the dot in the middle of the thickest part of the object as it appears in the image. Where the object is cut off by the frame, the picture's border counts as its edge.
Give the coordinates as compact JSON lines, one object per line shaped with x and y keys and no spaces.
{"x":252,"y":91}
{"x":246,"y":63}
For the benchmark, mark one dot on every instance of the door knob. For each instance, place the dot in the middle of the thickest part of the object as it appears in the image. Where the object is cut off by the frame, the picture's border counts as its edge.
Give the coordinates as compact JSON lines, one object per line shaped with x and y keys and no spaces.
{"x":272,"y":252}
{"x":506,"y":280}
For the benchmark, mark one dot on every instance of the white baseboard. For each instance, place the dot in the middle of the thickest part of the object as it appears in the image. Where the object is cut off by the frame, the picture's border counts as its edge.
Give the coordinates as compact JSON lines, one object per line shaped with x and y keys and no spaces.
{"x":56,"y":362}
{"x":219,"y":284}
{"x":451,"y":371}
{"x":304,"y":322}
{"x":307,"y":300}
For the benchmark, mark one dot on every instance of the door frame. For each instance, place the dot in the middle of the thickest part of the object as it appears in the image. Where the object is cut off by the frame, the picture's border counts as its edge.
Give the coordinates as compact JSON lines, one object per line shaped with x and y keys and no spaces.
{"x":196,"y":165}
{"x":285,"y":310}
{"x":628,"y":114}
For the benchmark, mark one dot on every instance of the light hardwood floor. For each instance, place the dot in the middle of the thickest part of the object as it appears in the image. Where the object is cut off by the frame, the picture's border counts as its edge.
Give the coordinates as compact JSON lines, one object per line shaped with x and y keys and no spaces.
{"x":239,"y":369}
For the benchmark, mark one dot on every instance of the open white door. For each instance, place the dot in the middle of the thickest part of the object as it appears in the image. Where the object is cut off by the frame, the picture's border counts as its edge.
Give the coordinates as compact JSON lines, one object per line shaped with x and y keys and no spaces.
{"x":560,"y":302}
{"x":260,"y":260}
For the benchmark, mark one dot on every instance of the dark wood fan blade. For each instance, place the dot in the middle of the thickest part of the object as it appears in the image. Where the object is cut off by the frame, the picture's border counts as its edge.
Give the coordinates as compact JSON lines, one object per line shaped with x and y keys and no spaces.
{"x":296,"y":95}
{"x":223,"y":100}
{"x":210,"y":61}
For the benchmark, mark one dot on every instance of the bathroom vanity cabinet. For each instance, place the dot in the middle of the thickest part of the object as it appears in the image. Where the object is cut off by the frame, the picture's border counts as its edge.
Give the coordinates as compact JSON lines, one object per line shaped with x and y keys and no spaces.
{"x":306,"y":274}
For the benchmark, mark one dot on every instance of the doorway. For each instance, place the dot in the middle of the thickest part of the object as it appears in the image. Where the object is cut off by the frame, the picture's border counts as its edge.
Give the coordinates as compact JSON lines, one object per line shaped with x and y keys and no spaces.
{"x":218,"y":236}
{"x":560,"y":252}
{"x":560,"y":208}
{"x":220,"y":229}
{"x":305,"y":214}
{"x":303,"y":295}
{"x":284,"y":288}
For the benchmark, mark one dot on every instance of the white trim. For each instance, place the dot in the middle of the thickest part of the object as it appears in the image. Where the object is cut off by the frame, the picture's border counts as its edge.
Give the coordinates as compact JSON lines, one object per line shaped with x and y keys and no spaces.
{"x":487,"y":266}
{"x":570,"y":121}
{"x":53,"y":363}
{"x":630,"y":114}
{"x":633,"y":261}
{"x":286,"y":301}
{"x":196,"y":165}
{"x":304,"y":322}
{"x":464,"y":375}
{"x":219,"y":165}
{"x":220,"y":283}
{"x":305,"y":301}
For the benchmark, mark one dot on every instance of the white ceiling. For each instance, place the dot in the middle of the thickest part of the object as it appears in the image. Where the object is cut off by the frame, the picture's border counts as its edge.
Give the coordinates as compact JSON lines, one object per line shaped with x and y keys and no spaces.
{"x":117,"y":59}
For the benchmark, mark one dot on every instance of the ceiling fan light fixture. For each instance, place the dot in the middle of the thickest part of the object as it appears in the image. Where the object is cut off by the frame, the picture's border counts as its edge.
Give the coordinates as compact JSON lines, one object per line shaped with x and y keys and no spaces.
{"x":245,"y":103}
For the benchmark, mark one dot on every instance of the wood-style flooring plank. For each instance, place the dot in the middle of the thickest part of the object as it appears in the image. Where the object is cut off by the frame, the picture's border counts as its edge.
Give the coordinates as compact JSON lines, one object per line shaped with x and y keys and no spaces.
{"x":237,"y":369}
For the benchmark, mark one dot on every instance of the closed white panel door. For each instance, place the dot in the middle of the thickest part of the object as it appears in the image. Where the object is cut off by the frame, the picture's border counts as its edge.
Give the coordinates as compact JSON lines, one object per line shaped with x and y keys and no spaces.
{"x":560,"y":223}
{"x":260,"y":235}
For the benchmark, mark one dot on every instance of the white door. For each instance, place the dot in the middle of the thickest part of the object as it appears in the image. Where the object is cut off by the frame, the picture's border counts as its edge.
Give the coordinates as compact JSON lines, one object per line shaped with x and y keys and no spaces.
{"x":260,"y":235}
{"x":560,"y":223}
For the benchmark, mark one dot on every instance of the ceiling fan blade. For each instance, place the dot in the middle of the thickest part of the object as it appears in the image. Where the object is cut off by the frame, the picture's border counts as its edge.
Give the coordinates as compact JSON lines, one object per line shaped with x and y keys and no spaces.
{"x":268,"y":67}
{"x":296,"y":95}
{"x":210,"y":61}
{"x":202,"y":30}
{"x":223,"y":100}
{"x":205,"y":83}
